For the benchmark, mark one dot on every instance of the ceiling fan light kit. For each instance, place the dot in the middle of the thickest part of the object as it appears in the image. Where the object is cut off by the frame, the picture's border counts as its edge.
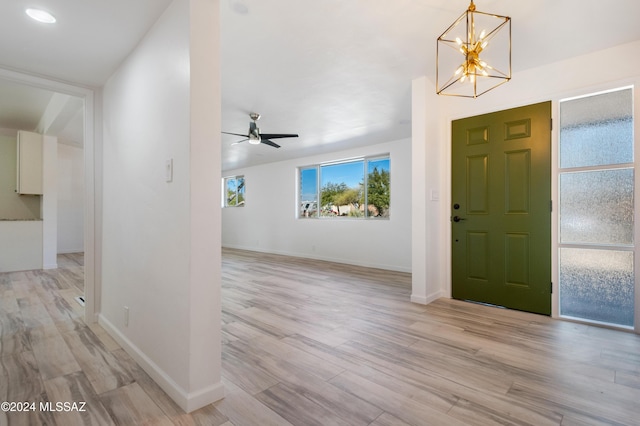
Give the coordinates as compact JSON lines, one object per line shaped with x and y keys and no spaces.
{"x":256,"y":138}
{"x":473,"y":56}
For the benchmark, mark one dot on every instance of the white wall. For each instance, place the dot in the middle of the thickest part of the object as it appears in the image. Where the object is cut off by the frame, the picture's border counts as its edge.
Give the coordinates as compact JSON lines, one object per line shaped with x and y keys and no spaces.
{"x":161,"y":241}
{"x":268,"y":221}
{"x":70,"y":199}
{"x":602,"y":70}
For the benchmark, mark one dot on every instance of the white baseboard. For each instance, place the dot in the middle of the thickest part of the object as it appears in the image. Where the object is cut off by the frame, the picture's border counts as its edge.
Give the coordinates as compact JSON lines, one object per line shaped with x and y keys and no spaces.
{"x":187,"y":401}
{"x":70,"y":251}
{"x":323,"y":258}
{"x":425,"y":300}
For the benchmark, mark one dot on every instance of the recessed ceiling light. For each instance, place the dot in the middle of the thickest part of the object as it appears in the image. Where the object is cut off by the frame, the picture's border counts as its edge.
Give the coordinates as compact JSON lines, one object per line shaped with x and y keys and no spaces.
{"x":41,"y":16}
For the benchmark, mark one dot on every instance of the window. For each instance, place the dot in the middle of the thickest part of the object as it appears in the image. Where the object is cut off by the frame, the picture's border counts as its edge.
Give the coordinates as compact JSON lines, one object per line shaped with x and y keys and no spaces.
{"x":596,"y":180}
{"x":234,"y":191}
{"x":353,"y":189}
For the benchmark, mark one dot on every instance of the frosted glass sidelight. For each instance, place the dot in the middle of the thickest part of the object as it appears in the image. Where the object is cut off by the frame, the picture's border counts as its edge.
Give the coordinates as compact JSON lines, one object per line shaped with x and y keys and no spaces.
{"x":596,"y":207}
{"x":597,"y":130}
{"x":596,"y":183}
{"x":597,"y":285}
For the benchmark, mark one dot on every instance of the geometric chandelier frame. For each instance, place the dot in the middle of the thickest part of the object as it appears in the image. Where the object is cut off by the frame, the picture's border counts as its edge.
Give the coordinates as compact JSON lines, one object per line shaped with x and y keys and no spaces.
{"x":473,"y":55}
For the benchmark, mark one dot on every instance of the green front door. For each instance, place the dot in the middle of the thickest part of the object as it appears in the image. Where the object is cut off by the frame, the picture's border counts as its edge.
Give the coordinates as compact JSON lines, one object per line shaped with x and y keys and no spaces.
{"x":501,"y":208}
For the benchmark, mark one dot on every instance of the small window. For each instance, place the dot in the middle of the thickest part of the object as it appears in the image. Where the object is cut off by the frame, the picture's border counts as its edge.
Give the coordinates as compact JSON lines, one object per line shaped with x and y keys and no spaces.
{"x":234,"y":191}
{"x":347,"y":189}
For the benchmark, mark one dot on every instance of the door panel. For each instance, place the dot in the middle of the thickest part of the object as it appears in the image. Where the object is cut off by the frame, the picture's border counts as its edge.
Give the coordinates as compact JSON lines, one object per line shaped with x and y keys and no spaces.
{"x":517,"y":182}
{"x":477,"y":253}
{"x":478,"y":184}
{"x":501,"y":192}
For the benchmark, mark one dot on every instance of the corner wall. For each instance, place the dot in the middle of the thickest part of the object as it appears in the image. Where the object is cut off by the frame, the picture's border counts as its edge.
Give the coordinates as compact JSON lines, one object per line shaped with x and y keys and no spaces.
{"x":161,"y":239}
{"x":426,"y":192}
{"x":268,"y":220}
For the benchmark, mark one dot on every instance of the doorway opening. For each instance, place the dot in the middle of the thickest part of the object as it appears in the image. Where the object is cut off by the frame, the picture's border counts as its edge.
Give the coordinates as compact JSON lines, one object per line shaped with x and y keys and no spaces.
{"x":85,"y":97}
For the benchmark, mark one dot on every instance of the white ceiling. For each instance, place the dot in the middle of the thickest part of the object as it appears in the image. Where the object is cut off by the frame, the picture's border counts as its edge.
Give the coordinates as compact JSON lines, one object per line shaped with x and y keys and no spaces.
{"x":87,"y":44}
{"x":337,"y":72}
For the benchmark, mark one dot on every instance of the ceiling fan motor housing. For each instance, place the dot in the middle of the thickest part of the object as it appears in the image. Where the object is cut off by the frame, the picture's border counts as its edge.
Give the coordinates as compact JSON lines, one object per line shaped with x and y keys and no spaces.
{"x":254,"y":131}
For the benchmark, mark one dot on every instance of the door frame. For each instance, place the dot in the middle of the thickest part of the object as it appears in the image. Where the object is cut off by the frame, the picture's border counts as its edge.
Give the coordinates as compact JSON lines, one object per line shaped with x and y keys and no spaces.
{"x":447,"y":187}
{"x":446,"y":184}
{"x":91,"y":227}
{"x":534,"y":109}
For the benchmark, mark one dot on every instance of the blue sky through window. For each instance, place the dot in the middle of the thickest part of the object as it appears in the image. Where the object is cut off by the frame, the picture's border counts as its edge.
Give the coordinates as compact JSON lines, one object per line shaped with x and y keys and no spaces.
{"x":350,"y":173}
{"x":381,"y":164}
{"x":308,"y":184}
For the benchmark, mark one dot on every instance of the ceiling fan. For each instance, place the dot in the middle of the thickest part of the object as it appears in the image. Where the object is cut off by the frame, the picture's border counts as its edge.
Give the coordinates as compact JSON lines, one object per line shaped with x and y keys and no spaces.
{"x":255,"y":137}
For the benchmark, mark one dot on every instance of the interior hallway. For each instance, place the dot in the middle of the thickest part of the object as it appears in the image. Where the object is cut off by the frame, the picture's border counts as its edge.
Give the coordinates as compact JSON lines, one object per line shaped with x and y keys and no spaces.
{"x":316,"y":343}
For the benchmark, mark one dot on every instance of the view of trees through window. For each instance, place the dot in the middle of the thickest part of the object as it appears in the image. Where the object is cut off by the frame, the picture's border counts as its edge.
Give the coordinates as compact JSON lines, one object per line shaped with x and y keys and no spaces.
{"x":355,"y":189}
{"x":234,"y":191}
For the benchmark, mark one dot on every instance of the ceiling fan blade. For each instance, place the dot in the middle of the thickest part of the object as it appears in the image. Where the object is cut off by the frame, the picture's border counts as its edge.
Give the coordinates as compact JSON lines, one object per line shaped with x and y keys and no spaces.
{"x":268,"y":142}
{"x":235,"y":134}
{"x":236,"y":143}
{"x":277,"y":135}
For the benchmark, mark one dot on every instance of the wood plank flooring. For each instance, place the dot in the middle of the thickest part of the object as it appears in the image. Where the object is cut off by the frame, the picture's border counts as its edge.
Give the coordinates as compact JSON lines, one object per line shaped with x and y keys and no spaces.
{"x":316,"y":343}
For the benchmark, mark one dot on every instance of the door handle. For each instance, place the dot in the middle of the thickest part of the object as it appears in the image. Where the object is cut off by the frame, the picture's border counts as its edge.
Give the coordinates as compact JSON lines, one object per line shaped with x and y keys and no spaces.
{"x":458,"y":218}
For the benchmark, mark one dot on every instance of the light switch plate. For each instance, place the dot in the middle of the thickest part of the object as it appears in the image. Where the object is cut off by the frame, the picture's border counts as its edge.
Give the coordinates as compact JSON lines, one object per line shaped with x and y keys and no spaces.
{"x":168,"y":170}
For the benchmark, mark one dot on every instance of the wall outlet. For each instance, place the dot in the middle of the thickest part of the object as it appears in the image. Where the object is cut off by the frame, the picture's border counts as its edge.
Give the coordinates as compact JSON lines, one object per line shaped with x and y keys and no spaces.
{"x":126,"y":316}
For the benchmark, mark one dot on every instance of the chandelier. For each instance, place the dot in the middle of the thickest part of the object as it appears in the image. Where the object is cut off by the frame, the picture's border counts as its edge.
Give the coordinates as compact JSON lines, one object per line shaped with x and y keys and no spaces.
{"x":473,"y":55}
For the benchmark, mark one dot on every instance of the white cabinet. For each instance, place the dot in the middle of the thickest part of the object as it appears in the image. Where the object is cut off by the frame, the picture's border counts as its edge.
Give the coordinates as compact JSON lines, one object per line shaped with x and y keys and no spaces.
{"x":29,"y":177}
{"x":20,"y":245}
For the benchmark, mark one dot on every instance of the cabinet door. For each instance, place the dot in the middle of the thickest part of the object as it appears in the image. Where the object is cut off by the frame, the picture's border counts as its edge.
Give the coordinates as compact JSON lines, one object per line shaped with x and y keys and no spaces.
{"x":29,"y":179}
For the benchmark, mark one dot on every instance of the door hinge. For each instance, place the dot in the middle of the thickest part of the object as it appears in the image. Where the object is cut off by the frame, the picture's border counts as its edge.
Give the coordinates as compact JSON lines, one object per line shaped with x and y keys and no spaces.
{"x":551,"y":124}
{"x":550,"y":205}
{"x":551,"y":287}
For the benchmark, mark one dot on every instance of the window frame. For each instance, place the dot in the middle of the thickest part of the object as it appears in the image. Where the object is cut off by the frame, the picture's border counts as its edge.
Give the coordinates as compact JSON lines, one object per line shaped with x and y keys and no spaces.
{"x":318,"y":187}
{"x":240,"y":190}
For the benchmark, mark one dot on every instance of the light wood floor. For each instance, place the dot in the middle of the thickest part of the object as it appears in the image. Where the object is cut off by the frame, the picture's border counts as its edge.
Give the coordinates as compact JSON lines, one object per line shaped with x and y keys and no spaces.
{"x":314,"y":343}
